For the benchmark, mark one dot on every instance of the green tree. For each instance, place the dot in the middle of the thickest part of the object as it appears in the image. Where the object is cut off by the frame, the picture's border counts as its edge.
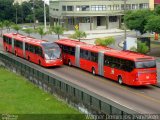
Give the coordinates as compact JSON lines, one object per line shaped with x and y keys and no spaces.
{"x":58,"y":30}
{"x":1,"y":27}
{"x":105,"y":41}
{"x":41,"y":32}
{"x":153,"y":24}
{"x":16,"y":27}
{"x":8,"y":24}
{"x":7,"y":10}
{"x":157,"y":10}
{"x":141,"y":48}
{"x":136,"y":20}
{"x":28,"y":31}
{"x":78,"y":35}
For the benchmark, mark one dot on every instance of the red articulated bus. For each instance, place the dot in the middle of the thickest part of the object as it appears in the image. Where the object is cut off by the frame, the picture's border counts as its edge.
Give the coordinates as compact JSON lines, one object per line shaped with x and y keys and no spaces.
{"x":41,"y":52}
{"x":123,"y":66}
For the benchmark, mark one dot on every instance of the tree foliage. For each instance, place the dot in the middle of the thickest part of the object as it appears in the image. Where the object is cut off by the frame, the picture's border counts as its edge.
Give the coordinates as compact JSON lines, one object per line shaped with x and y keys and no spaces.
{"x":78,"y":35}
{"x":1,"y":27}
{"x":105,"y":41}
{"x":141,"y":48}
{"x":16,"y":27}
{"x":136,"y":20}
{"x":153,"y":24}
{"x":41,"y":31}
{"x":8,"y":24}
{"x":59,"y":30}
{"x":24,"y":11}
{"x":28,"y":31}
{"x":157,"y":10}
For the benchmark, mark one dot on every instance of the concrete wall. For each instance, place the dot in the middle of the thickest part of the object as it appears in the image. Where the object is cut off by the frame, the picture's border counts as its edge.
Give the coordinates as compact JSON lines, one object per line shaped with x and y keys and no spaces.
{"x":85,"y":26}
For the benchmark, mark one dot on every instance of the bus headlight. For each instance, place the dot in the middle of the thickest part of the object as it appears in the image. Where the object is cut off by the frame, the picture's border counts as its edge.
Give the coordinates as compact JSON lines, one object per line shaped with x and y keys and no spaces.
{"x":48,"y":61}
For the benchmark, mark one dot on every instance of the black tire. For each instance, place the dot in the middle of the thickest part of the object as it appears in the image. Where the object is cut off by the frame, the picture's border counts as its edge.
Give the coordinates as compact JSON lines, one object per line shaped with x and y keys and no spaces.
{"x":93,"y":71}
{"x":39,"y":62}
{"x":15,"y":53}
{"x":6,"y":49}
{"x":69,"y":63}
{"x":28,"y":58}
{"x":120,"y":80}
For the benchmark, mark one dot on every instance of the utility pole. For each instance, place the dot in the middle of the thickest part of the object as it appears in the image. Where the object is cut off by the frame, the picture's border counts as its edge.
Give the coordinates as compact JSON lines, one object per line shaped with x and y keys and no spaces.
{"x":34,"y":16}
{"x":45,"y":26}
{"x":125,"y":8}
{"x":16,"y":15}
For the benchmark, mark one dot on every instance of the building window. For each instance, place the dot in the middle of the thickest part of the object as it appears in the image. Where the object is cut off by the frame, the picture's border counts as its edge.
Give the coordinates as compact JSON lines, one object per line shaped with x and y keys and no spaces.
{"x":98,"y":7}
{"x":70,"y":8}
{"x":135,"y":6}
{"x":109,"y":7}
{"x":115,"y":7}
{"x":143,"y":5}
{"x":113,"y":19}
{"x":82,"y":8}
{"x":128,"y":7}
{"x":63,"y":8}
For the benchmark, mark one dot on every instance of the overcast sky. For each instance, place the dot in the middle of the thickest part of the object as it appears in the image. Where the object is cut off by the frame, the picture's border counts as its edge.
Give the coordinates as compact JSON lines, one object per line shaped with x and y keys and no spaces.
{"x":46,"y":1}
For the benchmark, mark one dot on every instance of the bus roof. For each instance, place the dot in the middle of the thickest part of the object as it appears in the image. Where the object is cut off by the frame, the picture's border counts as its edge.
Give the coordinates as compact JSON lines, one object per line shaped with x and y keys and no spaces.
{"x":74,"y":43}
{"x":129,"y":55}
{"x":70,"y":42}
{"x":25,"y":38}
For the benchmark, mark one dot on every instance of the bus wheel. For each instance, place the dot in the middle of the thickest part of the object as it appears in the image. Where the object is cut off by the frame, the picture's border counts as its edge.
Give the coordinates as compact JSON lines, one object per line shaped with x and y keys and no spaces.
{"x":120,"y":81}
{"x":28,"y":58}
{"x":15,"y":53}
{"x":93,"y":71}
{"x":6,"y":49}
{"x":39,"y":62}
{"x":69,"y":63}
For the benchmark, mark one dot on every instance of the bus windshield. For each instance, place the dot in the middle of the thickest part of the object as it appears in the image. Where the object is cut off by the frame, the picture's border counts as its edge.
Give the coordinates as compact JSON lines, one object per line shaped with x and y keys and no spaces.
{"x":146,"y":64}
{"x":51,"y":50}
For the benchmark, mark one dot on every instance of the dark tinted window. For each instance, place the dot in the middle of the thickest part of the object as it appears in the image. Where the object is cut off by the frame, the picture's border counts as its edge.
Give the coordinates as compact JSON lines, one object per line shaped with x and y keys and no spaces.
{"x":146,"y":64}
{"x":88,"y":55}
{"x":18,"y":44}
{"x":119,"y":63}
{"x":7,"y":40}
{"x":68,"y":49}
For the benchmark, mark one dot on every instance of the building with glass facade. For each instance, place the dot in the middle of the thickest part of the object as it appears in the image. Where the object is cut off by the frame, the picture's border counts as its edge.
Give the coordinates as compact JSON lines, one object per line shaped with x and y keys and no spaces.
{"x":92,"y":14}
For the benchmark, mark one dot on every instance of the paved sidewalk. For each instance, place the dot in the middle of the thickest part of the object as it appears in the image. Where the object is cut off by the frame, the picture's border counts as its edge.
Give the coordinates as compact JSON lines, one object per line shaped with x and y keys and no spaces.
{"x":93,"y":34}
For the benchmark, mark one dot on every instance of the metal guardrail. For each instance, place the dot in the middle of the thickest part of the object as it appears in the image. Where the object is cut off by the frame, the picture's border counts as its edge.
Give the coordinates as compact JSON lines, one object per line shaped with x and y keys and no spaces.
{"x":72,"y":93}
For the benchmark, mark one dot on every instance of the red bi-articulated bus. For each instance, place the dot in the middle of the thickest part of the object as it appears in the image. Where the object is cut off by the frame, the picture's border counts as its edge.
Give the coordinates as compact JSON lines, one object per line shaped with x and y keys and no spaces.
{"x":41,"y":52}
{"x":123,"y":66}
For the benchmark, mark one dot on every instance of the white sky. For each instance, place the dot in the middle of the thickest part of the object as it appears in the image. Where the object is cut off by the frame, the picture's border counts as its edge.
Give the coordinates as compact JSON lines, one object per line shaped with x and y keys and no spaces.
{"x":46,"y":1}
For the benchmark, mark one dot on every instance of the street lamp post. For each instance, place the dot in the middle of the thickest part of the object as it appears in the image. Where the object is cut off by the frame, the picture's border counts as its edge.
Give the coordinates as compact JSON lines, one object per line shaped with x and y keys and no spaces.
{"x":125,"y":32}
{"x":45,"y":26}
{"x":16,"y":15}
{"x":34,"y":16}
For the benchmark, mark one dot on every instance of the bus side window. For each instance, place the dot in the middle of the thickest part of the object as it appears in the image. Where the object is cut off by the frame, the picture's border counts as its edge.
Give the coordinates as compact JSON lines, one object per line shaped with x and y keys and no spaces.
{"x":9,"y":41}
{"x":4,"y":38}
{"x":106,"y":61}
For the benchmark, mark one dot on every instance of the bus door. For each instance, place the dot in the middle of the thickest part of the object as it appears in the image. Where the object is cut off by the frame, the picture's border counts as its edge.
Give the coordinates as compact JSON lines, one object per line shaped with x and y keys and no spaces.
{"x":77,"y":56}
{"x":101,"y":63}
{"x":12,"y":45}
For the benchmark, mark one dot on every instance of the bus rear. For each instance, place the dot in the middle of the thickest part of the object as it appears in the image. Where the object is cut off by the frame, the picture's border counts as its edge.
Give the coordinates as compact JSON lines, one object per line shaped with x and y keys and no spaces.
{"x":52,"y":54}
{"x":145,"y":72}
